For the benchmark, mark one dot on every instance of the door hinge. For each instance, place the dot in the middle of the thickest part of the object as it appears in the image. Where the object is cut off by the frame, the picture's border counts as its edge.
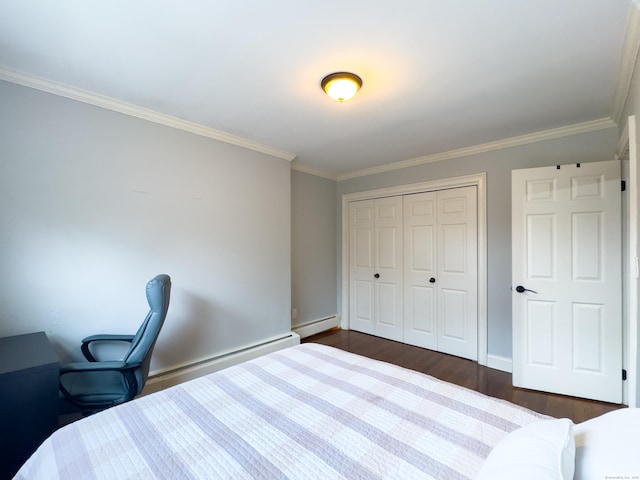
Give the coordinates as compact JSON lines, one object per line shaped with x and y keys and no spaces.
{"x":624,"y":374}
{"x":623,"y":185}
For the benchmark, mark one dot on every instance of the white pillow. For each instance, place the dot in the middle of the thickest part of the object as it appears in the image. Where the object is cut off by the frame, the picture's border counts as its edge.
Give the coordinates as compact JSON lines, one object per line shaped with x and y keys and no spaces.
{"x":609,"y":446}
{"x":538,"y":451}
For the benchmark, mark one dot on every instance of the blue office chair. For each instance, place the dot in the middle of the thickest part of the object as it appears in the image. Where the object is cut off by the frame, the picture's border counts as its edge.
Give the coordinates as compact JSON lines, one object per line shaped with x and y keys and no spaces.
{"x":91,"y":386}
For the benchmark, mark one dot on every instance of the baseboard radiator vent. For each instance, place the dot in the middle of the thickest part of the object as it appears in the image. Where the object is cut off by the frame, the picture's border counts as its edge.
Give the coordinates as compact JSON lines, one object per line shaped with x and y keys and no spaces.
{"x":317,"y":326}
{"x":160,"y":381}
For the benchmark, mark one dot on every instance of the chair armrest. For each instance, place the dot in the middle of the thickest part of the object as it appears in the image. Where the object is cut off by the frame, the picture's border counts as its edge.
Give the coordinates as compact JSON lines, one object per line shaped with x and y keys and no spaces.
{"x":107,"y":337}
{"x":101,"y":338}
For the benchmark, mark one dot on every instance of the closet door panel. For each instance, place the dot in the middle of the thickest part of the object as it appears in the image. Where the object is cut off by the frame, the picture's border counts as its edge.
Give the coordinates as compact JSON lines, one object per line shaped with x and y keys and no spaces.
{"x":457,"y":278}
{"x":420,"y":264}
{"x":453,"y":315}
{"x":361,"y":265}
{"x":388,"y":277}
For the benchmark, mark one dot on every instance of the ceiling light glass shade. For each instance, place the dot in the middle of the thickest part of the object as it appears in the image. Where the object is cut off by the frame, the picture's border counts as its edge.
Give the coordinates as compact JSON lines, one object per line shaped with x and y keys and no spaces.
{"x":341,"y":86}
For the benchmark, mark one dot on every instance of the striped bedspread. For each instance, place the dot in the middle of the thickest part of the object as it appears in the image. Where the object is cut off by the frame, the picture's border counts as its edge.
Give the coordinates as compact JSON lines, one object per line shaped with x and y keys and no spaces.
{"x":308,"y":412}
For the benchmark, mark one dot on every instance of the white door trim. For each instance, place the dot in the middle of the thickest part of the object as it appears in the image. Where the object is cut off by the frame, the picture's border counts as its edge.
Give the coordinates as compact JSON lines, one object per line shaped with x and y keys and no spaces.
{"x":630,"y":288}
{"x":479,"y":180}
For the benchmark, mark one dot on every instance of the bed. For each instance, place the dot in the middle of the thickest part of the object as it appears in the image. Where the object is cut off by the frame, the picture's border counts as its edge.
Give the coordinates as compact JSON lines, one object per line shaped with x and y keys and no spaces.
{"x":309,"y":411}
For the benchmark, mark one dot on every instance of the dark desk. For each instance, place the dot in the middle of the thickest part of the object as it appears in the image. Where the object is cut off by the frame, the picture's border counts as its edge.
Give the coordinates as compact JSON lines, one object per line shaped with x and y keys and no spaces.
{"x":29,"y":372}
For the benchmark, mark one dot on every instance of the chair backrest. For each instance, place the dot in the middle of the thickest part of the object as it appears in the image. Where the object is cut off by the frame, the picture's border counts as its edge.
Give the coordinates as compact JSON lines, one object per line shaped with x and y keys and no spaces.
{"x":158,"y":293}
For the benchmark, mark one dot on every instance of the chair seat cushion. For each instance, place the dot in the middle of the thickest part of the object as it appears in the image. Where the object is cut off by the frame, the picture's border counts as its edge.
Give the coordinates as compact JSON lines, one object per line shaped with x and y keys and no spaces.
{"x":97,"y":387}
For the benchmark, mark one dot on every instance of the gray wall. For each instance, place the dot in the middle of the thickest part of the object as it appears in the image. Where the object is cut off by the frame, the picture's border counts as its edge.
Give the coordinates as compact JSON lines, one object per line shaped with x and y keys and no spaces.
{"x":94,"y":203}
{"x":313,"y":247}
{"x":588,"y":147}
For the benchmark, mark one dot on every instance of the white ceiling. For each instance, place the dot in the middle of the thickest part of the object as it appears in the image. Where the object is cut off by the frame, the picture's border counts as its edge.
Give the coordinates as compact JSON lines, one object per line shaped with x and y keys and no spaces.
{"x":438,"y":75}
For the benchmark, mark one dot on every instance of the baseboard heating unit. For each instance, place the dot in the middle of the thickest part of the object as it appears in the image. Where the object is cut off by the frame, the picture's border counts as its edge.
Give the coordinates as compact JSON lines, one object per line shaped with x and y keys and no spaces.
{"x":162,"y":380}
{"x":317,"y":326}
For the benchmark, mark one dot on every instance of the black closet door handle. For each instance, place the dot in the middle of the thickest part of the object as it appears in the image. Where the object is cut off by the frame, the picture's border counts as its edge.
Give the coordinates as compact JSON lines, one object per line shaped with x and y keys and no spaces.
{"x":432,"y":280}
{"x":377,"y":275}
{"x":521,"y":289}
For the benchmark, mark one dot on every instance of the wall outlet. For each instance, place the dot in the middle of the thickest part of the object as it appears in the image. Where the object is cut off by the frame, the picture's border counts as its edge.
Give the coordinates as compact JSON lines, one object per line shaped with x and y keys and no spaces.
{"x":294,"y":313}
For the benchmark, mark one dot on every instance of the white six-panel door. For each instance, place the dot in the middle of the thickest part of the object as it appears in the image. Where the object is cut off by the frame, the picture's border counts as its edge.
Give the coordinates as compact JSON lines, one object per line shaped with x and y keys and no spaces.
{"x":361,"y":255}
{"x":420,"y":266}
{"x":458,"y":272}
{"x":375,"y":256}
{"x":387,"y":281}
{"x":567,"y":325}
{"x":441,"y":271}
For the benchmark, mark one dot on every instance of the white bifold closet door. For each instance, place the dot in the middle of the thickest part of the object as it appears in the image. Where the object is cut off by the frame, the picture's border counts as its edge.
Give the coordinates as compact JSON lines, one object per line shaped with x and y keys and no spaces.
{"x":375,"y":258}
{"x":413,"y":269}
{"x":441,"y":271}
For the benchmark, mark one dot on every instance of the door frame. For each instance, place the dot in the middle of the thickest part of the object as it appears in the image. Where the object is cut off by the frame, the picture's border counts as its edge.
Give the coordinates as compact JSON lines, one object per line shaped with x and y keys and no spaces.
{"x":478,"y":180}
{"x":626,"y":152}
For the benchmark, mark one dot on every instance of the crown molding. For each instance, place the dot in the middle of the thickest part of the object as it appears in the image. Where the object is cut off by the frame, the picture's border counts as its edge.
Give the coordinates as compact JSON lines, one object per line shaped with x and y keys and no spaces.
{"x":138,"y":112}
{"x":630,"y":50}
{"x":566,"y":131}
{"x":622,"y":150}
{"x":180,"y":124}
{"x":313,"y":171}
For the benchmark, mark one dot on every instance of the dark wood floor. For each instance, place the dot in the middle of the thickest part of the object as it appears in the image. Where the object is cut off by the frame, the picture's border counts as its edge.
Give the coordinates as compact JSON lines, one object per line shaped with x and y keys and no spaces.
{"x":462,"y":372}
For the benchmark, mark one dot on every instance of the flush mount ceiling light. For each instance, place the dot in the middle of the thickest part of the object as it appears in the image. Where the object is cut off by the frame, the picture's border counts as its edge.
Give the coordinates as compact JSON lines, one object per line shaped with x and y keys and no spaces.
{"x":341,"y":86}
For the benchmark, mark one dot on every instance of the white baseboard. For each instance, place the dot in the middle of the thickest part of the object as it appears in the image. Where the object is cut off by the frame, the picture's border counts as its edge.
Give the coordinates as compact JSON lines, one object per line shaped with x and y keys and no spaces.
{"x":317,"y":326}
{"x":500,"y":363}
{"x":204,"y":367}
